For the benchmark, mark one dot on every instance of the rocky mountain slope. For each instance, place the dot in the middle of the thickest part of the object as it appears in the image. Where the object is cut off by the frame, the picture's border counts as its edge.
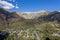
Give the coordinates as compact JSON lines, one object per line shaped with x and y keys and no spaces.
{"x":32,"y":15}
{"x":11,"y":17}
{"x":53,"y":16}
{"x":8,"y":17}
{"x":30,"y":25}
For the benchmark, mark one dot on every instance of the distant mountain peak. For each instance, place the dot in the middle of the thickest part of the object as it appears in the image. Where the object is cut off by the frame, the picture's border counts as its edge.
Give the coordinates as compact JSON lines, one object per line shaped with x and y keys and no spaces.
{"x":58,"y":11}
{"x":43,"y":11}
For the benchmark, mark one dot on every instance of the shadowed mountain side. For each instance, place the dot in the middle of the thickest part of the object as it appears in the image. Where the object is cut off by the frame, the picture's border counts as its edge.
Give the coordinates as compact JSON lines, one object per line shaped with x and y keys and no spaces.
{"x":8,"y":17}
{"x":53,"y":16}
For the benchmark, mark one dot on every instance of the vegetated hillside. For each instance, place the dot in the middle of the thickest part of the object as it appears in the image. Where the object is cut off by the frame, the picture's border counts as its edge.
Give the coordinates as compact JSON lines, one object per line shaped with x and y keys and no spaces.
{"x":22,"y":26}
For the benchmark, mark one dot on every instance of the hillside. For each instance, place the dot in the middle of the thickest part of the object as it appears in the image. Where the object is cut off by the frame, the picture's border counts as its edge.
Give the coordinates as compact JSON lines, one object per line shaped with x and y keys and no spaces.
{"x":53,"y":16}
{"x":40,"y":25}
{"x":8,"y":17}
{"x":32,"y":15}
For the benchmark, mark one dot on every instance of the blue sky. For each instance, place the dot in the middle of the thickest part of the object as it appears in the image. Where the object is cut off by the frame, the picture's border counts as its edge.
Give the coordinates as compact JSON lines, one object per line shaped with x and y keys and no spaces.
{"x":35,"y":5}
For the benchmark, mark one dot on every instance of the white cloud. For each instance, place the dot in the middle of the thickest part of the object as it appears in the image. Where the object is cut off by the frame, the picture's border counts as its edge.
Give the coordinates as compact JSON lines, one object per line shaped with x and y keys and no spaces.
{"x":6,"y":5}
{"x":16,"y":7}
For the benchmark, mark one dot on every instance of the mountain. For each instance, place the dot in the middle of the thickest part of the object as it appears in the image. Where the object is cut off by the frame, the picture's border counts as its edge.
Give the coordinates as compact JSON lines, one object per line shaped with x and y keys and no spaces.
{"x":35,"y":25}
{"x":32,"y":15}
{"x":53,"y":16}
{"x":8,"y":17}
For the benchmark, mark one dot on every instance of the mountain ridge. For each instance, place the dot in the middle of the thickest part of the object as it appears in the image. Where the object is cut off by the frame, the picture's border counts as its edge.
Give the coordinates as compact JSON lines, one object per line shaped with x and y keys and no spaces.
{"x":11,"y":17}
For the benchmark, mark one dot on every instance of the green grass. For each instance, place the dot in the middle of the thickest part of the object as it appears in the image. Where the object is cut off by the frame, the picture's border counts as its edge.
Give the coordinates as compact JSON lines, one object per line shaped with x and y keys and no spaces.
{"x":43,"y":28}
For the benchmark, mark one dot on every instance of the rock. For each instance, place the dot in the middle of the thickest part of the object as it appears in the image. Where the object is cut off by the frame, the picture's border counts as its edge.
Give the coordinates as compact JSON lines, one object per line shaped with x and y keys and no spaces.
{"x":47,"y":38}
{"x":3,"y":35}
